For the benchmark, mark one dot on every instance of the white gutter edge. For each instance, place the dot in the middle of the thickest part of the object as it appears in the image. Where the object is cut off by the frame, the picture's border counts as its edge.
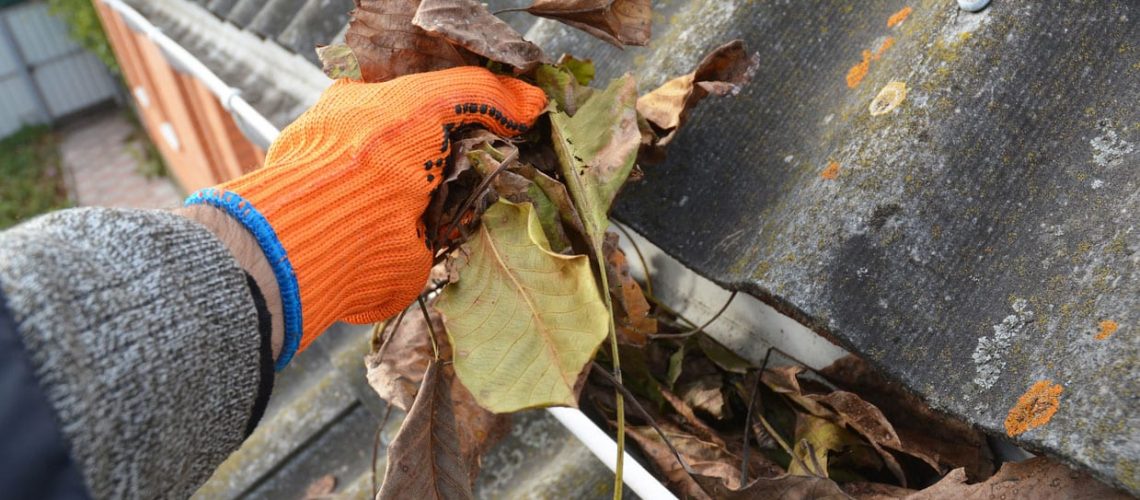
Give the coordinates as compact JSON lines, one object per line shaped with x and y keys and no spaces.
{"x":230,"y":97}
{"x":601,"y":445}
{"x":605,"y":448}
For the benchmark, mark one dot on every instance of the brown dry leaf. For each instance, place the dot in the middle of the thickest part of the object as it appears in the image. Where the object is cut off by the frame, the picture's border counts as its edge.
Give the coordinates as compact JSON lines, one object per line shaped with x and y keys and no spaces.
{"x":1037,"y":478}
{"x":705,"y":394}
{"x":723,"y":71}
{"x":631,"y":310}
{"x":469,"y":24}
{"x":701,"y":456}
{"x":950,"y":441}
{"x":619,"y":22}
{"x":395,"y":372}
{"x":695,"y":424}
{"x":458,"y":183}
{"x":875,"y":491}
{"x":851,"y":410}
{"x":424,"y":460}
{"x":787,"y":487}
{"x":397,"y":376}
{"x":478,"y":429}
{"x":388,"y":45}
{"x":322,"y":487}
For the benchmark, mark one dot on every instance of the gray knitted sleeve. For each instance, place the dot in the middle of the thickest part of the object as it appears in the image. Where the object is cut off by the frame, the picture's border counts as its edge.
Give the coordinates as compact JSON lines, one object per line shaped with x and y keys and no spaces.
{"x":144,"y":336}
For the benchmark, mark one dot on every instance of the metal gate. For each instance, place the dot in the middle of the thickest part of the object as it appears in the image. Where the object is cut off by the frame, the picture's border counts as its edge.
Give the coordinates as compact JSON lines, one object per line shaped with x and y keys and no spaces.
{"x":44,"y":75}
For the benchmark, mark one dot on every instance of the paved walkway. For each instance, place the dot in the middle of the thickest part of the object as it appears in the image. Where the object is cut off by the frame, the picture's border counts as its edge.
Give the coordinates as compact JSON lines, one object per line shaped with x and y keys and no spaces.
{"x":102,"y":160}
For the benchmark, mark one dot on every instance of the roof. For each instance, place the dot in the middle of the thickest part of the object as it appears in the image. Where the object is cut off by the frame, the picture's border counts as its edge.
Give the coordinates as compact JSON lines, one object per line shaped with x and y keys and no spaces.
{"x":975,"y":240}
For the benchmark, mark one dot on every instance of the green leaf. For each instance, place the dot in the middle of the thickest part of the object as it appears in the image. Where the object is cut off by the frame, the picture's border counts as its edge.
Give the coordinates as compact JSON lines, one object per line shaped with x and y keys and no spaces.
{"x":596,"y":151}
{"x":721,"y":355}
{"x":338,"y":61}
{"x":676,"y":366}
{"x":582,"y":69}
{"x":563,"y":87}
{"x":523,"y":321}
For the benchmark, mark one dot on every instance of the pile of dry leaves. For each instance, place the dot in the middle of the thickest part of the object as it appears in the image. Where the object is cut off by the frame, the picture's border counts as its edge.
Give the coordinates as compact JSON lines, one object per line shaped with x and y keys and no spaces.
{"x":530,"y":285}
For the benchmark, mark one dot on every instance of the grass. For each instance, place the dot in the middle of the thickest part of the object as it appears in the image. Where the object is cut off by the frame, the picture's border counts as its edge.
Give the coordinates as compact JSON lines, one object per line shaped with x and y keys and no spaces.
{"x":31,"y":177}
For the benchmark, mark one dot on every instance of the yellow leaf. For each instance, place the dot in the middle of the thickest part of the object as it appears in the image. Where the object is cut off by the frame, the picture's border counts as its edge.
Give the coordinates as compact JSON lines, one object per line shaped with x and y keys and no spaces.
{"x":523,"y":321}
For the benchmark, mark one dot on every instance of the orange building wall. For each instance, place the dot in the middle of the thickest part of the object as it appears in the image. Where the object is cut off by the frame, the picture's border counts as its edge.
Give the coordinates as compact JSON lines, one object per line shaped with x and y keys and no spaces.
{"x":210,"y":148}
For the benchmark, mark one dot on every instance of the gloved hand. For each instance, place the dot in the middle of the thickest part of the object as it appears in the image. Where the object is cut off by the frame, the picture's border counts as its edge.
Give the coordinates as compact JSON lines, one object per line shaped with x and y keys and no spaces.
{"x":337,"y":206}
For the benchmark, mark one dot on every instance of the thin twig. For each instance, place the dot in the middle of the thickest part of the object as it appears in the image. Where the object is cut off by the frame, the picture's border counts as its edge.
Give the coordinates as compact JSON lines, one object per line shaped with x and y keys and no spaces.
{"x":698,"y":329}
{"x":640,"y":257}
{"x":507,"y":11}
{"x":637,"y":405}
{"x":431,"y":329}
{"x":481,"y":189}
{"x":818,"y":469}
{"x":376,"y":446}
{"x":668,"y":310}
{"x":748,"y":432}
{"x":388,"y":339}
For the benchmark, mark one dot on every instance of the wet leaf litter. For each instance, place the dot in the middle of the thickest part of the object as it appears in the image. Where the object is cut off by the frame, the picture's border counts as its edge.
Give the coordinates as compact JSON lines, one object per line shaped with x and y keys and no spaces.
{"x":511,"y":213}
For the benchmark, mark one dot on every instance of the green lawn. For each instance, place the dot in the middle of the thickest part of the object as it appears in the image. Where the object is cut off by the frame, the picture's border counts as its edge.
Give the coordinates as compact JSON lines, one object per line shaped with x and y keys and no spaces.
{"x":31,"y":178}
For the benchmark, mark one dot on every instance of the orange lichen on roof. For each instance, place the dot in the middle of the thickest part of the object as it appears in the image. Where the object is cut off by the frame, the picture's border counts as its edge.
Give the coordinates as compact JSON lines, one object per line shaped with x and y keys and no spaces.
{"x":859,"y":71}
{"x":898,"y":17}
{"x":1034,"y":408}
{"x":1107,"y":328}
{"x":888,"y":43}
{"x":831,"y":172}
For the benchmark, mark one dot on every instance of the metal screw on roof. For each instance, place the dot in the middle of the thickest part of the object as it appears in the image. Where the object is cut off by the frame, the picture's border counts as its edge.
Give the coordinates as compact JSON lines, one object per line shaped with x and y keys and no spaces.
{"x":973,"y":5}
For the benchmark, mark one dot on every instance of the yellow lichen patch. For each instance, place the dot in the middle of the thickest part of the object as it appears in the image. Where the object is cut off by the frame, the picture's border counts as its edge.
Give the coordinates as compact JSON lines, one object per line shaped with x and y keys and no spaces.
{"x":889,"y":98}
{"x":859,"y":71}
{"x":1107,"y":328}
{"x":883,"y":47}
{"x":1034,"y":408}
{"x":831,"y":172}
{"x":898,"y":17}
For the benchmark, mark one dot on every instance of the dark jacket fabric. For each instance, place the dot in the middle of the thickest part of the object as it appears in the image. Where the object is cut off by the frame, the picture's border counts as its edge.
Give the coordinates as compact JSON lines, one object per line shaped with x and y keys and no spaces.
{"x":35,"y":462}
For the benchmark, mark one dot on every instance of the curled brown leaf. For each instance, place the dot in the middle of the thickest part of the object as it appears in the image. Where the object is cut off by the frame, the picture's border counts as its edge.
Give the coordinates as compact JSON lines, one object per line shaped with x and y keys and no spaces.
{"x":1038,"y":478}
{"x":950,"y":441}
{"x":631,"y":309}
{"x":469,"y":24}
{"x":849,"y":409}
{"x":388,"y":45}
{"x":619,"y":22}
{"x":723,"y":71}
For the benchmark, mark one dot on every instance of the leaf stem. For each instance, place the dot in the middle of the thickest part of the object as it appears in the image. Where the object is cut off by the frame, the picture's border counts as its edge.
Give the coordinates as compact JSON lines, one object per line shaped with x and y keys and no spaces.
{"x":481,"y":189}
{"x":698,"y":329}
{"x":619,"y":401}
{"x":431,"y":329}
{"x":649,"y":418}
{"x":388,"y":339}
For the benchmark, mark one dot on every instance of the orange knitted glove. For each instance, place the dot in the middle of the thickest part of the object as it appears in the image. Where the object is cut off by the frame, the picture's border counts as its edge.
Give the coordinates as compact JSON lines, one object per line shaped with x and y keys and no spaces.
{"x":337,"y":206}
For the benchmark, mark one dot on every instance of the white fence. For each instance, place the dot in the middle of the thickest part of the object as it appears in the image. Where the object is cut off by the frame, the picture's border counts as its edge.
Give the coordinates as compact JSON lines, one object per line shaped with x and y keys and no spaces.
{"x":44,"y":75}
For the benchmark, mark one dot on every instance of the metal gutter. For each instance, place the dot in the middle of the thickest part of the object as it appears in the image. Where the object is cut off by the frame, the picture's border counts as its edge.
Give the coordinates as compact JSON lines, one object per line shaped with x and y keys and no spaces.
{"x":253,"y":124}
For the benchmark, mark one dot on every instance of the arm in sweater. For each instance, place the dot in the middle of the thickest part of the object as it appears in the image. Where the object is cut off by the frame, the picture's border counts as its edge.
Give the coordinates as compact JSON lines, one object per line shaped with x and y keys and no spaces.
{"x":150,"y":337}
